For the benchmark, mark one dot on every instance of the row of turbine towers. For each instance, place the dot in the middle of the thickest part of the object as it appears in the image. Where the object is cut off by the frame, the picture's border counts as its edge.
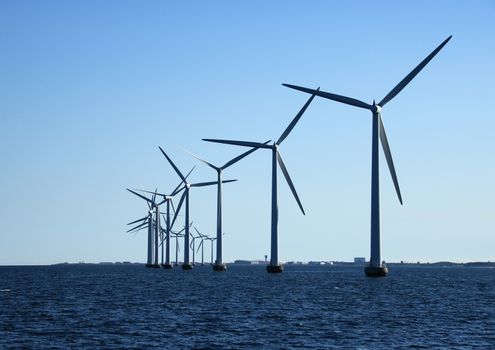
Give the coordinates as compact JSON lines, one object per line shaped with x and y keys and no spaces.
{"x":375,"y":268}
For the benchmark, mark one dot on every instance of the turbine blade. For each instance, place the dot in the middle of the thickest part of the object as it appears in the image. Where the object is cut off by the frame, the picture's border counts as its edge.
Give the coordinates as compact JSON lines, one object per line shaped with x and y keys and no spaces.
{"x":413,"y":73}
{"x":136,"y":230}
{"x":388,"y":156}
{"x":178,"y":209}
{"x":177,"y":190}
{"x":202,"y":184}
{"x":209,"y":183}
{"x":164,"y":220}
{"x":173,"y":165}
{"x":138,"y":226}
{"x":199,"y":246}
{"x":289,"y":181}
{"x":173,"y":207}
{"x":190,"y":171}
{"x":334,"y":97}
{"x":296,"y":119}
{"x":200,"y":159}
{"x":227,"y":181}
{"x":160,"y":194}
{"x":239,"y":143}
{"x":133,"y":222}
{"x":239,"y":157}
{"x":141,"y":196}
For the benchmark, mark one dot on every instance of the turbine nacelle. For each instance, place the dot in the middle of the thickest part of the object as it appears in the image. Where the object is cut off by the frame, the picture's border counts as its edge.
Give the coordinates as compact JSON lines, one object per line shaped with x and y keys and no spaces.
{"x":376,"y":109}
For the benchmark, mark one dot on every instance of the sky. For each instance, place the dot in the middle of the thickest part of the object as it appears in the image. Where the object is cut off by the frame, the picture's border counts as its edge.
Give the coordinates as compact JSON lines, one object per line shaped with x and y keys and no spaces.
{"x":90,"y":89}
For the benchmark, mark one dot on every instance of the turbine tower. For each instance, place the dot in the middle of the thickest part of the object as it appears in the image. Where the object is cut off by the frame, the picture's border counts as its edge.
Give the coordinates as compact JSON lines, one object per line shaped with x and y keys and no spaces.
{"x":177,"y":249}
{"x":375,"y":267}
{"x":187,"y":186}
{"x":219,"y":265}
{"x":275,"y":266}
{"x":211,"y":239}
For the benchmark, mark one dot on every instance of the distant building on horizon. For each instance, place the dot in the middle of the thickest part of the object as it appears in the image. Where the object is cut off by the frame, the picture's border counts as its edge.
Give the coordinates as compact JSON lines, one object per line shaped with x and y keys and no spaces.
{"x":360,"y":260}
{"x":248,"y":262}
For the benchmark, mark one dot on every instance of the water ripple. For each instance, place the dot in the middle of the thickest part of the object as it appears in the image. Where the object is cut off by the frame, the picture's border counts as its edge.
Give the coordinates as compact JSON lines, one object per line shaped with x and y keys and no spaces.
{"x":306,"y":307}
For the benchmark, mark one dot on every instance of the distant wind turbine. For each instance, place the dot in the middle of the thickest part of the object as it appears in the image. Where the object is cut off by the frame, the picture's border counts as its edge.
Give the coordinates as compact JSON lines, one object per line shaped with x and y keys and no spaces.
{"x":376,"y":268}
{"x":219,"y":265}
{"x":186,"y":264}
{"x":211,"y":239}
{"x":177,"y":248}
{"x":156,"y":207}
{"x":151,"y":240}
{"x":168,"y":200}
{"x":192,"y":245}
{"x":274,"y":266}
{"x":201,"y":246}
{"x":146,"y":221}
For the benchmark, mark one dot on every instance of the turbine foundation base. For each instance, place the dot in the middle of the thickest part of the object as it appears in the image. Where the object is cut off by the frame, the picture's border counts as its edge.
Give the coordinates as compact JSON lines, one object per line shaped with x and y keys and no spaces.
{"x":154,"y":266}
{"x":167,"y":266}
{"x":376,"y":271}
{"x":274,"y":268}
{"x":187,"y":267}
{"x":219,"y":267}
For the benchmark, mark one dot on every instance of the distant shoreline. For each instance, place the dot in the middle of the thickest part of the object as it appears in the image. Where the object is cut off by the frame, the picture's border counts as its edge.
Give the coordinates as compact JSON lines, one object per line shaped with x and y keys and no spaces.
{"x":292,"y":263}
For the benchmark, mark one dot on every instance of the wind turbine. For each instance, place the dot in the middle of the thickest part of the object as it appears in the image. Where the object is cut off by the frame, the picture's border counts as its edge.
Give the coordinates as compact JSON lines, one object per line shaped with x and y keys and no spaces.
{"x":193,"y":246}
{"x":149,"y":219}
{"x":274,"y":266}
{"x":219,"y":265}
{"x":177,"y":248}
{"x":187,"y":186}
{"x":156,"y":207}
{"x":211,"y":239}
{"x":375,"y":267}
{"x":201,"y":245}
{"x":145,"y":221}
{"x":168,"y":200}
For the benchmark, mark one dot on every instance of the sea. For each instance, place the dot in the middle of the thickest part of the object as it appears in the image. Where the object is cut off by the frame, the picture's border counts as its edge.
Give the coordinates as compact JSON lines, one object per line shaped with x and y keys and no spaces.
{"x":306,"y":307}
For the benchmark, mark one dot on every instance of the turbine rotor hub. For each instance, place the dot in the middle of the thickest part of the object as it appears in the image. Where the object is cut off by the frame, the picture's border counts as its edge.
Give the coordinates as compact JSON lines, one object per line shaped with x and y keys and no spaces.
{"x":376,"y":108}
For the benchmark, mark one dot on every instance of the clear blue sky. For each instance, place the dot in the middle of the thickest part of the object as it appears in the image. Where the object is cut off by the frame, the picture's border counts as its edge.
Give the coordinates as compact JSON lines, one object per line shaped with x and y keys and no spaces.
{"x":89,"y":89}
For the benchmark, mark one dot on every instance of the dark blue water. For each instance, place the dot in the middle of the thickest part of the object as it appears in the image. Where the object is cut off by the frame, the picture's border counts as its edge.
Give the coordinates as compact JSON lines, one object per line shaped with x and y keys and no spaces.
{"x":320,"y":307}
